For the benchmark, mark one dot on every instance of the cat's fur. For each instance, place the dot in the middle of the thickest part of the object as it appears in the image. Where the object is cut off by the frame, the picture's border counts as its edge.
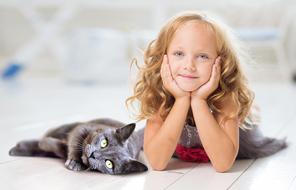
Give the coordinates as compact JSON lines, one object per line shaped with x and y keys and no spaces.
{"x":79,"y":144}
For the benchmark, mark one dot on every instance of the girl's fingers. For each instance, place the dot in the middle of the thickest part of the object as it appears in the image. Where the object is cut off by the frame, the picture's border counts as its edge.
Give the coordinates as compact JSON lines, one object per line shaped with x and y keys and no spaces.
{"x":216,"y":70}
{"x":165,"y":72}
{"x":165,"y":59}
{"x":218,"y":60}
{"x":169,"y":69}
{"x":166,"y":69}
{"x":163,"y":68}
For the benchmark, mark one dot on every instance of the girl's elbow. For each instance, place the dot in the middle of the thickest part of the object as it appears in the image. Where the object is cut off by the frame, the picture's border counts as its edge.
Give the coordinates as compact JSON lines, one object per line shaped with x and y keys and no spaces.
{"x":156,"y":164}
{"x":225,"y":164}
{"x":223,"y":167}
{"x":158,"y":167}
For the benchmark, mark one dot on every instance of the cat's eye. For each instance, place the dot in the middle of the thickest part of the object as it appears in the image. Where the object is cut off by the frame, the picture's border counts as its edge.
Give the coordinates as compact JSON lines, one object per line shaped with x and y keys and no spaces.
{"x":104,"y":143}
{"x":109,"y":164}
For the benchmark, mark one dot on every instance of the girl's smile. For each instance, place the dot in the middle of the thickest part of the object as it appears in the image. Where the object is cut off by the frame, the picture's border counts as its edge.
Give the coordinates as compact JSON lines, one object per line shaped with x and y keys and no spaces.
{"x":188,"y":76}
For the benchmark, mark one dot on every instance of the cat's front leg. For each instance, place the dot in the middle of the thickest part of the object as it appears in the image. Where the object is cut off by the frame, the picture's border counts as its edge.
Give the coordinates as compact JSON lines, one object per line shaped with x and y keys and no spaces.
{"x":75,"y":165}
{"x":74,"y":161}
{"x":75,"y":148}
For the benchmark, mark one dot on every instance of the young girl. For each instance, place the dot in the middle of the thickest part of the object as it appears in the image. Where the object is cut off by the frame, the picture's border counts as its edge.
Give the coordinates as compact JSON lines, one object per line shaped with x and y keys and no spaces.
{"x":193,"y":94}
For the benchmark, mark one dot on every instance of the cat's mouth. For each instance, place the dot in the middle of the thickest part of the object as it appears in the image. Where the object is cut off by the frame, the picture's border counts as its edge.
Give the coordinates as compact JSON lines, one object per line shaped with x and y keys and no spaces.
{"x":89,"y":150}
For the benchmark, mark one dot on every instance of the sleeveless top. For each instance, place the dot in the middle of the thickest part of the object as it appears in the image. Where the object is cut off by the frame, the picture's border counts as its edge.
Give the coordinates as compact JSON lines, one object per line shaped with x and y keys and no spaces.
{"x":190,"y":138}
{"x":189,"y":147}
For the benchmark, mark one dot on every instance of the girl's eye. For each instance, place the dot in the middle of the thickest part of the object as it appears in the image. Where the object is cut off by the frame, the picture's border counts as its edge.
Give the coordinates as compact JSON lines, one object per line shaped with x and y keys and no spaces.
{"x":178,"y":53}
{"x":203,"y":57}
{"x":109,"y":164}
{"x":104,"y":143}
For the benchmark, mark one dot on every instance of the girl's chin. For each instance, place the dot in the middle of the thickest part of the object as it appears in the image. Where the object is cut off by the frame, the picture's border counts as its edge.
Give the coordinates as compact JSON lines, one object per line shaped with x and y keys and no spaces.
{"x":188,"y":88}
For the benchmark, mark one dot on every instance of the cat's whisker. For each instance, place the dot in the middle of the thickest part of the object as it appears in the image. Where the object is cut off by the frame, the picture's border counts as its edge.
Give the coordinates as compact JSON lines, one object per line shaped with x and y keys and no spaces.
{"x":76,"y":147}
{"x":78,"y":143}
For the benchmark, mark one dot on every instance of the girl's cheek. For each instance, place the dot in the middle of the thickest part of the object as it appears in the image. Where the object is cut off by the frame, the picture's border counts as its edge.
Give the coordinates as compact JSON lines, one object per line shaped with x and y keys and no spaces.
{"x":174,"y":69}
{"x":204,"y":72}
{"x":172,"y":64}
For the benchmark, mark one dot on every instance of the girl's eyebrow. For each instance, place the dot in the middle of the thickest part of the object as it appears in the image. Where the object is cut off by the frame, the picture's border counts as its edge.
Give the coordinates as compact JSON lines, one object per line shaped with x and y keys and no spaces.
{"x":177,"y":47}
{"x":203,"y":50}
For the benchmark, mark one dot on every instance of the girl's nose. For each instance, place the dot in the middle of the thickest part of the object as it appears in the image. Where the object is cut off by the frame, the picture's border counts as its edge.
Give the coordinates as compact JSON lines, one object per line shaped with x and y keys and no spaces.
{"x":190,"y":65}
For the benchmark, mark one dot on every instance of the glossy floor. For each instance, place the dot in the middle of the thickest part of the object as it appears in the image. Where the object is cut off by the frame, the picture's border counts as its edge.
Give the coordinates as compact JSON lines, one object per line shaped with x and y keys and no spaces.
{"x":29,"y":107}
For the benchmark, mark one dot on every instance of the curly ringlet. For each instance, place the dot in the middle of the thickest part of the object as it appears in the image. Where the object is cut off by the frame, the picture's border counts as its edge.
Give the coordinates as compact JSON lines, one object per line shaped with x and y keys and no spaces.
{"x":153,"y":97}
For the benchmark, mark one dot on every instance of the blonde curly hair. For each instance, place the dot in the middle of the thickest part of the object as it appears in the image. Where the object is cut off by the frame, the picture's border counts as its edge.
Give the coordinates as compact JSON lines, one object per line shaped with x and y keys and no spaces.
{"x":152,"y":95}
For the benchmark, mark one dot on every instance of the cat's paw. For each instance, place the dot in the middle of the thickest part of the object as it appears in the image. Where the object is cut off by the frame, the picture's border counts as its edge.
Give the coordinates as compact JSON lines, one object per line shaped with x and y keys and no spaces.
{"x":74,"y":165}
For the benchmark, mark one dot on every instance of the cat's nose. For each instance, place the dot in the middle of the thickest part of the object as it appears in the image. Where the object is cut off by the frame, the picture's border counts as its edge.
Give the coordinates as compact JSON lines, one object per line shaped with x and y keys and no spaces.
{"x":92,"y":155}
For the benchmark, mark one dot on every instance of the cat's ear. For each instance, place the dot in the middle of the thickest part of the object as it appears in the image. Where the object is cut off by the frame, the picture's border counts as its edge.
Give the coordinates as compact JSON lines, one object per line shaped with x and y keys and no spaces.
{"x":124,"y":132}
{"x":133,"y":166}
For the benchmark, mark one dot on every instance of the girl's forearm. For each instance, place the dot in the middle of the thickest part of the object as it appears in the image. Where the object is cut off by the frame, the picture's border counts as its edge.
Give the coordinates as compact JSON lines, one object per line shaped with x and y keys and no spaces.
{"x":162,"y":146}
{"x":217,"y":144}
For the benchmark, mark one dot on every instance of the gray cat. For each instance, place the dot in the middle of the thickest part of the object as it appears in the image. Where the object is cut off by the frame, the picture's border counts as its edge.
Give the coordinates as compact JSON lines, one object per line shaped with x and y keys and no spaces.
{"x":105,"y":145}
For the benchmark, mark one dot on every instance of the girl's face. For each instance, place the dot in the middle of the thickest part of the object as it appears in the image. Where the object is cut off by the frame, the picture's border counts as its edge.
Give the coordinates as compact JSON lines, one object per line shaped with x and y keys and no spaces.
{"x":191,"y":55}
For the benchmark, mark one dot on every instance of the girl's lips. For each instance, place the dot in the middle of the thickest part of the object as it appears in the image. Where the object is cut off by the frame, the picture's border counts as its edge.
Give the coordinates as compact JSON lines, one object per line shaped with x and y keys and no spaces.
{"x":188,"y":76}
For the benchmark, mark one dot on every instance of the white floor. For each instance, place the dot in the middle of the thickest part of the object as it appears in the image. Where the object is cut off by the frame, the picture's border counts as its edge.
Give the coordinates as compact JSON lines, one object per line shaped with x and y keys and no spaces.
{"x":29,"y":107}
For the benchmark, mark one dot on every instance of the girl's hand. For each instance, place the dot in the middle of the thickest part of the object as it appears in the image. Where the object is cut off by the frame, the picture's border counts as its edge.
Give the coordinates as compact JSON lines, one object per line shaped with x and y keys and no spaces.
{"x":169,"y":82}
{"x":206,"y":89}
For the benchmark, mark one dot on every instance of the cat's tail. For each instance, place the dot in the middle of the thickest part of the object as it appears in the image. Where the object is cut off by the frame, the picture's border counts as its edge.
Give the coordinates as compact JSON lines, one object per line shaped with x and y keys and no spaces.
{"x":254,"y":145}
{"x":29,"y":148}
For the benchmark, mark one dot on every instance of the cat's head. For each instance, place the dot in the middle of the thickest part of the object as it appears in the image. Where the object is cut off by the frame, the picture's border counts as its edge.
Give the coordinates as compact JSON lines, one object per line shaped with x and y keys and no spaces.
{"x":107,"y":152}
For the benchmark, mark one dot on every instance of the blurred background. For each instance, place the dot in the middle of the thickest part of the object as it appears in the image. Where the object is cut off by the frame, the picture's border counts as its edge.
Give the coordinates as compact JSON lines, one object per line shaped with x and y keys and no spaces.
{"x":72,"y":57}
{"x":81,"y":41}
